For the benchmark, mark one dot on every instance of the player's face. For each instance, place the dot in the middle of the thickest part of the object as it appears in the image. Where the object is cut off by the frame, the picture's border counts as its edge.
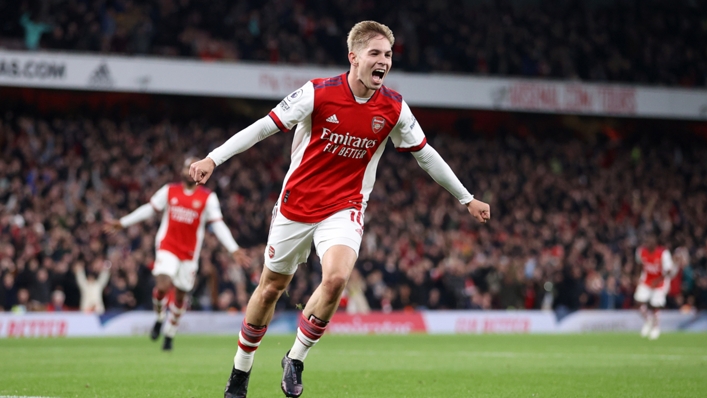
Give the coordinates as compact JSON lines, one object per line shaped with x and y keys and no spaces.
{"x":651,"y":241}
{"x":372,"y":63}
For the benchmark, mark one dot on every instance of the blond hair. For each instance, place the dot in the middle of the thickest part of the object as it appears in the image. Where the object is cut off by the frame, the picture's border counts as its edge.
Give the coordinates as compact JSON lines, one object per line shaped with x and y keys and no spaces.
{"x":364,"y":31}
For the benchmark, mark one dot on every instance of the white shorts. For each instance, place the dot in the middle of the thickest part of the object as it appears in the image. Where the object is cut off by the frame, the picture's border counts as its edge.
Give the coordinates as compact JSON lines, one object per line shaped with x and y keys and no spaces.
{"x":182,"y":273}
{"x":655,"y":297}
{"x":289,"y":242}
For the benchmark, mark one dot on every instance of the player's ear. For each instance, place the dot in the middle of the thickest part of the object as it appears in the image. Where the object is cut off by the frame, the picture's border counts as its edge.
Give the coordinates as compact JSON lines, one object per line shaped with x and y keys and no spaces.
{"x":353,"y":60}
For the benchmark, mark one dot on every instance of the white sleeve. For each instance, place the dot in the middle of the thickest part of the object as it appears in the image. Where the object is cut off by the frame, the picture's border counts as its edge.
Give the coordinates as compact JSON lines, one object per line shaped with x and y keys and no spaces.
{"x":667,"y":261}
{"x":224,"y":236}
{"x":407,"y":135}
{"x":219,"y":228}
{"x":159,"y":199}
{"x":244,"y":139}
{"x":439,"y":170}
{"x":213,"y":208}
{"x":294,"y":108}
{"x":158,"y":202}
{"x":142,"y":213}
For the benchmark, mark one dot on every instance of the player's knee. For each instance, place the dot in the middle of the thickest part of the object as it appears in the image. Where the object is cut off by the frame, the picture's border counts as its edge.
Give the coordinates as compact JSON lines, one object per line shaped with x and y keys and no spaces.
{"x":163,"y":283}
{"x":333,"y":286}
{"x":270,"y":293}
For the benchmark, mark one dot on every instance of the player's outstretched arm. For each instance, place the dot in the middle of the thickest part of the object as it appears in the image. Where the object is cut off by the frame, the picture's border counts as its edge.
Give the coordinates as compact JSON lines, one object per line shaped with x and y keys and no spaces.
{"x":430,"y":161}
{"x":223,"y":234}
{"x":241,"y":258}
{"x":112,"y":226}
{"x":142,"y":213}
{"x":265,"y":127}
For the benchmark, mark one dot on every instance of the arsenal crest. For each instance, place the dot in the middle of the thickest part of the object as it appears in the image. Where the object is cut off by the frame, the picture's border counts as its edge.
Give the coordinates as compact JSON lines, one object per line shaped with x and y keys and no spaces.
{"x":196,"y":204}
{"x":271,"y":252}
{"x":377,"y":124}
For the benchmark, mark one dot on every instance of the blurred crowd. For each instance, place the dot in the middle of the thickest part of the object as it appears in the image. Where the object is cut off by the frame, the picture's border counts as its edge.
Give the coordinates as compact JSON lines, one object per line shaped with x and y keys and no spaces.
{"x":646,"y":42}
{"x":568,"y":214}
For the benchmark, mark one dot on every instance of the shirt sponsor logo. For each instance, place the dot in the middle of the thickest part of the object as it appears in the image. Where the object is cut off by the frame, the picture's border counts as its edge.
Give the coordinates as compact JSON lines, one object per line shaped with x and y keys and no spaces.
{"x":377,"y":124}
{"x":346,"y":145}
{"x":182,"y":214}
{"x":652,"y":268}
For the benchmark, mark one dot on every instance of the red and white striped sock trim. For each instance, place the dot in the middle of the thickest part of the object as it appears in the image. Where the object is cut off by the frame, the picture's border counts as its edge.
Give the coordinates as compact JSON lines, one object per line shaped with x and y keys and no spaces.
{"x":308,"y":333}
{"x":176,"y":311}
{"x":159,"y":303}
{"x":310,"y":329}
{"x":249,"y":337}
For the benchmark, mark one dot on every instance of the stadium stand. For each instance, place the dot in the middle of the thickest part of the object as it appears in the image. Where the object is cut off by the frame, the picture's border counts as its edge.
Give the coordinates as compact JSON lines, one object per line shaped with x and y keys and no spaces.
{"x":644,"y":42}
{"x":570,"y":198}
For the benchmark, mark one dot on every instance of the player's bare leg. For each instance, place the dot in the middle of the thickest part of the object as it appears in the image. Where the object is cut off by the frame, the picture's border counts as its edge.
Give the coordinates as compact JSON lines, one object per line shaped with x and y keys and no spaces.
{"x":259,"y":313}
{"x":337,"y":264}
{"x":647,"y":320}
{"x":163,"y":284}
{"x":176,"y":310}
{"x":261,"y":305}
{"x":655,"y":329}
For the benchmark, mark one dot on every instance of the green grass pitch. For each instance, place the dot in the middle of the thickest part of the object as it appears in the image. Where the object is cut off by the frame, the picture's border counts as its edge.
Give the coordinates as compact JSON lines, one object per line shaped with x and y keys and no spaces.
{"x":534,"y":366}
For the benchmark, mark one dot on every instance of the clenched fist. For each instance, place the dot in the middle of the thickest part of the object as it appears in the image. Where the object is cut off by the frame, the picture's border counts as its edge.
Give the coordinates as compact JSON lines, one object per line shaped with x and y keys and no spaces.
{"x":201,"y":171}
{"x":479,"y":210}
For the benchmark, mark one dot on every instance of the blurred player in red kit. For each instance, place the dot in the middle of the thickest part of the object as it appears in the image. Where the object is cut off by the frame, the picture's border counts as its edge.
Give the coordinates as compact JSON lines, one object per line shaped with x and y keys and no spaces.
{"x":186,"y":209}
{"x":343,"y":124}
{"x":653,"y":285}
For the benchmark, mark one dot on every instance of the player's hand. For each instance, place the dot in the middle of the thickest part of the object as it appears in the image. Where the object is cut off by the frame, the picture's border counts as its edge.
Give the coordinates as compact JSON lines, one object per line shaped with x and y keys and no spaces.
{"x":241,"y":258}
{"x":201,"y":171}
{"x":479,"y":210}
{"x":112,"y":226}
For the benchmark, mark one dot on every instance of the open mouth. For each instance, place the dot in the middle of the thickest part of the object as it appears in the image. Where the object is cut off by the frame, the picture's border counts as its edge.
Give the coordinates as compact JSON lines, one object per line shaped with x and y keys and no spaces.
{"x":377,"y":76}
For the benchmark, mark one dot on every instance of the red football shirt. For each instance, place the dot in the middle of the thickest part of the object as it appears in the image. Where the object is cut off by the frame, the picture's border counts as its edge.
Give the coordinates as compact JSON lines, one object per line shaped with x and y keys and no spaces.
{"x":337,"y":145}
{"x":656,"y":264}
{"x":184,"y":218}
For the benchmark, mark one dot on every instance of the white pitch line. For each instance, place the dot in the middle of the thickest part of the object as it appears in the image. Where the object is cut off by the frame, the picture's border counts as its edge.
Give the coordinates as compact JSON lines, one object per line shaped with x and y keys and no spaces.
{"x":21,"y":396}
{"x":501,"y":354}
